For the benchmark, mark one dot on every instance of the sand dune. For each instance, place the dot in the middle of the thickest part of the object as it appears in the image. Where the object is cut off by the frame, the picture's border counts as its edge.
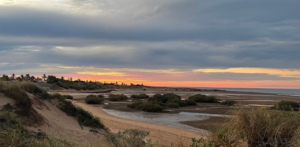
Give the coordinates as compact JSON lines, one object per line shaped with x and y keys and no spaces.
{"x":58,"y":124}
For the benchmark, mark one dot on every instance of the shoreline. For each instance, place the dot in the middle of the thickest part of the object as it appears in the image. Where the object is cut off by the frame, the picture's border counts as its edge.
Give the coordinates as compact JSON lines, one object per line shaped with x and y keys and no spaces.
{"x":160,"y":133}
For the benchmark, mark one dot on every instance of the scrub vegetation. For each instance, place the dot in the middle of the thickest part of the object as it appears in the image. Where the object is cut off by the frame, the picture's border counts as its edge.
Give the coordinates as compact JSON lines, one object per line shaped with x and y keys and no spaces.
{"x":259,"y":127}
{"x":204,"y":99}
{"x":117,"y":97}
{"x":140,"y":96}
{"x":159,"y":102}
{"x":287,"y":106}
{"x":93,"y":99}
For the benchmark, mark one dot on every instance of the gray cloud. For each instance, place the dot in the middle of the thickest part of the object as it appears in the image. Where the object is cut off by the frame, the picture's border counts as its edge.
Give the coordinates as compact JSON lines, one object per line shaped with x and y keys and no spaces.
{"x":173,"y":34}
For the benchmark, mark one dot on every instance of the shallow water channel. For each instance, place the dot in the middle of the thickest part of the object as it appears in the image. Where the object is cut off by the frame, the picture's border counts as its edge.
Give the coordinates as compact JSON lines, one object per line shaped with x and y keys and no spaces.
{"x":172,"y":120}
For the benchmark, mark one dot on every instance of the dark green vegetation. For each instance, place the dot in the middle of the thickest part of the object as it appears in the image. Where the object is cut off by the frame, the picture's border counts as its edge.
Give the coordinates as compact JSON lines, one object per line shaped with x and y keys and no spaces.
{"x":83,"y":117}
{"x":93,"y":99}
{"x":158,"y":102}
{"x":204,"y":99}
{"x":287,"y":106}
{"x":117,"y":97}
{"x":140,"y":96}
{"x":229,"y":102}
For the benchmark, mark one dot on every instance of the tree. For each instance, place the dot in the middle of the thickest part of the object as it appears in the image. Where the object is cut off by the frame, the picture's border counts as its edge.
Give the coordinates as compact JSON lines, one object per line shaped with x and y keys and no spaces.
{"x":32,"y":78}
{"x":13,"y":76}
{"x":27,"y":77}
{"x":5,"y":77}
{"x":22,"y":77}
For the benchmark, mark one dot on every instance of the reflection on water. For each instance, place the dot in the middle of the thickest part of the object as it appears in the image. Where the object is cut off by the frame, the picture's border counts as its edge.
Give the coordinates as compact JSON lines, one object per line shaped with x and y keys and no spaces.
{"x":161,"y":118}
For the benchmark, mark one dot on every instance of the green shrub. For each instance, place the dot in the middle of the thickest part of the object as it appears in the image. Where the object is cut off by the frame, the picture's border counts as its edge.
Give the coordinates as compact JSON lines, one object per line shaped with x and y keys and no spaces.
{"x":204,"y":98}
{"x":68,"y":97}
{"x":136,"y":105}
{"x":83,"y":117}
{"x":117,"y":97}
{"x":150,"y":107}
{"x":172,"y":105}
{"x":86,"y":118}
{"x":101,"y":96}
{"x":93,"y":99}
{"x":287,"y":106}
{"x":184,"y":103}
{"x":140,"y":96}
{"x":130,"y":138}
{"x":158,"y":98}
{"x":229,"y":102}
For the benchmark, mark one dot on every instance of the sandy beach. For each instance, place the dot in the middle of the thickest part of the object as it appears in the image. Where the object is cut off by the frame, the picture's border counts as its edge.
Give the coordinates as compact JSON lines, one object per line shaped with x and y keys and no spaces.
{"x":160,"y":133}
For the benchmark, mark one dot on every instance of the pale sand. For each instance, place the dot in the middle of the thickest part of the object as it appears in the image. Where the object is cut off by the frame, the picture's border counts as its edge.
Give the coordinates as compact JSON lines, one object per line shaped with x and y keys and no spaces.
{"x":61,"y":126}
{"x":4,"y":100}
{"x":163,"y":134}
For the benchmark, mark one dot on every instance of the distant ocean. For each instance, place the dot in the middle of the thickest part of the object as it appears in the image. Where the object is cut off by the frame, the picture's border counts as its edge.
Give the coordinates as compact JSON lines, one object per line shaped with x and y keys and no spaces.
{"x":260,"y":90}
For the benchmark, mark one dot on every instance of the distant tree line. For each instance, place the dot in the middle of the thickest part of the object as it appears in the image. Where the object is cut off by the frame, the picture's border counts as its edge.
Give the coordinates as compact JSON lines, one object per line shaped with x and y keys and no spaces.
{"x":69,"y":83}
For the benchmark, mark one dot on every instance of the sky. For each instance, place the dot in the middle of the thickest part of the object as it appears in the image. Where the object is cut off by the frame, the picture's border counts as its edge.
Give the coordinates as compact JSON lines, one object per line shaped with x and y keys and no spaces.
{"x":182,"y":43}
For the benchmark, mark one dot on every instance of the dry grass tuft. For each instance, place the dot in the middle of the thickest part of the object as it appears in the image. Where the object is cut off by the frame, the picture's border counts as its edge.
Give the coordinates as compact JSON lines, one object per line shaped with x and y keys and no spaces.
{"x":259,"y":127}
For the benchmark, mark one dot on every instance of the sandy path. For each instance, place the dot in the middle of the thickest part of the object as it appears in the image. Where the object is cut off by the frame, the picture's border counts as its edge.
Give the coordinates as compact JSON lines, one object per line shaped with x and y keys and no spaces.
{"x":160,"y":133}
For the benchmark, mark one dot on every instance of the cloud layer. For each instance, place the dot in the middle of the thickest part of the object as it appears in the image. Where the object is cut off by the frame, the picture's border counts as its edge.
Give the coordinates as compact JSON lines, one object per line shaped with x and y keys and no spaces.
{"x":170,"y":38}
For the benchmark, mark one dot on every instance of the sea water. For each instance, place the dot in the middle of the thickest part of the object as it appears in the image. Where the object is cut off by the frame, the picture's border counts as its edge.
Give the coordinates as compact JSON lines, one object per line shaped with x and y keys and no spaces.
{"x":295,"y":92}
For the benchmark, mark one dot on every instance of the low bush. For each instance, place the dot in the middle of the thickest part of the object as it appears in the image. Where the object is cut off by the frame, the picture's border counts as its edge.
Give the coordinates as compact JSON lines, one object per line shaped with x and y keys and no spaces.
{"x":68,"y":97}
{"x":140,"y":96}
{"x":136,"y":105}
{"x":204,"y":98}
{"x":163,"y":99}
{"x":172,"y":105}
{"x":83,"y":117}
{"x":101,"y":96}
{"x":287,"y":106}
{"x":229,"y":102}
{"x":158,"y":102}
{"x":86,"y":118}
{"x":152,"y":107}
{"x":184,"y":103}
{"x":117,"y":97}
{"x":129,"y":138}
{"x":259,"y":127}
{"x":93,"y":99}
